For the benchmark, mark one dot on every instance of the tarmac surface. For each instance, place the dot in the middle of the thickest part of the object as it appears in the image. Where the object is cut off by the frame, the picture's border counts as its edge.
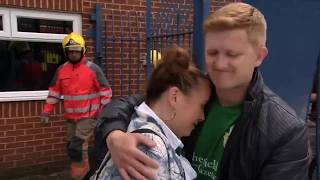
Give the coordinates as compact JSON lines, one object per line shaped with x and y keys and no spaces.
{"x":64,"y":175}
{"x":54,"y":176}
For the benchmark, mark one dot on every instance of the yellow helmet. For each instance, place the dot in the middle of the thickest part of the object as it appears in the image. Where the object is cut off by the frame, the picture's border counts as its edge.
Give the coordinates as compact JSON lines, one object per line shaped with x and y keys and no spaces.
{"x":19,"y":46}
{"x":155,"y":56}
{"x":74,"y":42}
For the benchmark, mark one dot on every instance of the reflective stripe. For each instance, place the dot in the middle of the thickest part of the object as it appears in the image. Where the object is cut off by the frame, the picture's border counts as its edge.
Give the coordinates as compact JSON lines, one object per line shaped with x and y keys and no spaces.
{"x":82,"y":110}
{"x":105,"y":101}
{"x":79,"y":171}
{"x":66,"y":63}
{"x":54,"y":94}
{"x":81,"y":97}
{"x":88,"y":63}
{"x":89,"y":96}
{"x":52,"y":100}
{"x":106,"y":93}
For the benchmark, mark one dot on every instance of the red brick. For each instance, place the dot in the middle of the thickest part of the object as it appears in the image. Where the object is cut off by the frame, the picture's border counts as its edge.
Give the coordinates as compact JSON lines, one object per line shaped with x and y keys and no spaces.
{"x":34,"y":131}
{"x":14,"y":109}
{"x":24,"y":138}
{"x":43,"y":136}
{"x":26,"y":107}
{"x":14,"y":157}
{"x":2,"y":146}
{"x":15,"y":133}
{"x":24,"y":150}
{"x":15,"y":121}
{"x":55,"y":118}
{"x":15,"y":145}
{"x":63,"y":5}
{"x":24,"y":3}
{"x":24,"y":126}
{"x":33,"y":155}
{"x":59,"y":134}
{"x":60,"y":157}
{"x":52,"y":152}
{"x":59,"y":123}
{"x":24,"y":162}
{"x":44,"y":147}
{"x":32,"y":120}
{"x":34,"y":143}
{"x":60,"y":145}
{"x":6,"y":127}
{"x":38,"y":3}
{"x":5,"y":165}
{"x":53,"y":141}
{"x":6,"y":139}
{"x":6,"y":152}
{"x":33,"y":108}
{"x":52,"y":129}
{"x":43,"y":159}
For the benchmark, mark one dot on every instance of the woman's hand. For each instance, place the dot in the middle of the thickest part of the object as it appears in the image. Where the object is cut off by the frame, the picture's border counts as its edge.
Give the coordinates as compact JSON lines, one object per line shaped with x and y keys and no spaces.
{"x":128,"y":158}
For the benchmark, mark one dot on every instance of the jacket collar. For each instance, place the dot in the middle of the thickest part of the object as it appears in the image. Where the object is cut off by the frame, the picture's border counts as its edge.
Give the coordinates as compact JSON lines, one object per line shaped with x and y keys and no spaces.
{"x":143,"y":111}
{"x":83,"y":61}
{"x":256,"y":86}
{"x":254,"y":89}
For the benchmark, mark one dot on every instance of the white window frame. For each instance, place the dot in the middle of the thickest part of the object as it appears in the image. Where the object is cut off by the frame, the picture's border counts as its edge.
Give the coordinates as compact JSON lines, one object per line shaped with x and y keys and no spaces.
{"x":5,"y":22}
{"x":47,"y":16}
{"x":10,"y":32}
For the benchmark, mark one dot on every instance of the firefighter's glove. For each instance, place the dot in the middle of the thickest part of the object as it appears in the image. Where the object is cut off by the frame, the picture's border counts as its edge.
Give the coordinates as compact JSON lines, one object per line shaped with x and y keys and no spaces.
{"x":75,"y":149}
{"x":44,"y":119}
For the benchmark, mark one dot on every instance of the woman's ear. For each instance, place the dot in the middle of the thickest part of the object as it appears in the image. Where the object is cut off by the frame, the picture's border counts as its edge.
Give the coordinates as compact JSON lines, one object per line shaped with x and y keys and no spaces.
{"x":173,"y":94}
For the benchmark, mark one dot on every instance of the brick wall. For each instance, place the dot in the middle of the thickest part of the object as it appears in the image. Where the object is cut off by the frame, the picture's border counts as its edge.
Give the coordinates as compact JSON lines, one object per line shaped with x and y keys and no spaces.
{"x":25,"y":145}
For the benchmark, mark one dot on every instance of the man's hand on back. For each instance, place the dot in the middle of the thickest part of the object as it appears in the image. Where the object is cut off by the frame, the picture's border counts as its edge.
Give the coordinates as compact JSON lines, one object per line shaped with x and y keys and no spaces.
{"x":128,"y":158}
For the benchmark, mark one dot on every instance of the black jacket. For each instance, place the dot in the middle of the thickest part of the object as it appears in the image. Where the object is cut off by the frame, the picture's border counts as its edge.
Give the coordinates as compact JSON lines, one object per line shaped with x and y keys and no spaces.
{"x":269,"y":142}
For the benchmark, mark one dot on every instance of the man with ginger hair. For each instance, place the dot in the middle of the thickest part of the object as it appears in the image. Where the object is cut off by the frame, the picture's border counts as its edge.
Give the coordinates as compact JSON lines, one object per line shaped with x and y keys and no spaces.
{"x":250,"y":133}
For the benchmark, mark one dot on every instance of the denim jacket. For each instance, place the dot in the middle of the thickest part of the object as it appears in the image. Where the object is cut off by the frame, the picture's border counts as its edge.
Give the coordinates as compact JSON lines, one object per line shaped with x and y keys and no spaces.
{"x":172,"y":164}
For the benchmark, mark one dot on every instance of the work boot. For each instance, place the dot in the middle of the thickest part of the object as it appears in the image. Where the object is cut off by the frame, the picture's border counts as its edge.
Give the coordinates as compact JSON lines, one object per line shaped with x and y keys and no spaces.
{"x":79,"y":169}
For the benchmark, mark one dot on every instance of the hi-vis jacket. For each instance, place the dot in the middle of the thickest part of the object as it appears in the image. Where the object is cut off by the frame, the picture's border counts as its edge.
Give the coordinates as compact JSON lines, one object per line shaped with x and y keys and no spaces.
{"x":84,"y":87}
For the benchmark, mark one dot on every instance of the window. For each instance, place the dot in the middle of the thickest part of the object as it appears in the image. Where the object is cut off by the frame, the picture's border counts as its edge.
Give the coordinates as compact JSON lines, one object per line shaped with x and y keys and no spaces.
{"x":30,"y":51}
{"x":28,"y":66}
{"x":1,"y":25}
{"x":44,"y":26}
{"x":4,"y":23}
{"x":49,"y":26}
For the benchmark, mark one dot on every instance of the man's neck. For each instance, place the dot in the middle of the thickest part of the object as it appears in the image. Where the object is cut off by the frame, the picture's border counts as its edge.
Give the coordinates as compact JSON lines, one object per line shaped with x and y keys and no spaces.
{"x":235,"y":96}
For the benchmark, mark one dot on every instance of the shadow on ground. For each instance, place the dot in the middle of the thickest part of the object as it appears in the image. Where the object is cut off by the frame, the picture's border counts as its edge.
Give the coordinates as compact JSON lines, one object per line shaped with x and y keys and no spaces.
{"x":64,"y":175}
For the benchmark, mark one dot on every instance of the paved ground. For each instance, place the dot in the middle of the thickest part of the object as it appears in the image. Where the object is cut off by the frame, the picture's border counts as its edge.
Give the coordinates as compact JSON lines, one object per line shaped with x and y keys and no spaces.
{"x":64,"y":175}
{"x":55,"y":176}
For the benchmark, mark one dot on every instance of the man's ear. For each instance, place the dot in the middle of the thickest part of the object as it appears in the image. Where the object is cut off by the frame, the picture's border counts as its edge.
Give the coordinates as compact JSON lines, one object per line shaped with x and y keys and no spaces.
{"x":262,"y":54}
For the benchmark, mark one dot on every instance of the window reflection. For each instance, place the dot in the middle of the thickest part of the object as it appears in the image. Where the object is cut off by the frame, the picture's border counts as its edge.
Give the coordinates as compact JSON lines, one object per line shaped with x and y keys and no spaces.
{"x":1,"y":23}
{"x":28,"y":66}
{"x":44,"y":26}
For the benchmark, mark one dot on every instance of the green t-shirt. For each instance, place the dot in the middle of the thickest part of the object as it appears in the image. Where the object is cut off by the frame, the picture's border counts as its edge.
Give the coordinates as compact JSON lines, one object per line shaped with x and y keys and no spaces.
{"x":213,"y":138}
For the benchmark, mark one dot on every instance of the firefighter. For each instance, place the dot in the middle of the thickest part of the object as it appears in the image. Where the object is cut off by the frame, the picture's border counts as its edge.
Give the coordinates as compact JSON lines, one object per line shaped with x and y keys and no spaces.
{"x":28,"y":71}
{"x":85,"y":90}
{"x":155,"y":57}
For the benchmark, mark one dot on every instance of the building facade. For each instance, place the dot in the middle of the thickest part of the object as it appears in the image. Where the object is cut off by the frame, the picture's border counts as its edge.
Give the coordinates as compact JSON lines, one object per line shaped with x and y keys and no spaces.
{"x":31,"y":32}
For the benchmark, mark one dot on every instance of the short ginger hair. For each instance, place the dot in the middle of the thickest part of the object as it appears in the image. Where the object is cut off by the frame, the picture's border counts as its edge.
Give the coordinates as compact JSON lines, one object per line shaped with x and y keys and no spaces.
{"x":239,"y":16}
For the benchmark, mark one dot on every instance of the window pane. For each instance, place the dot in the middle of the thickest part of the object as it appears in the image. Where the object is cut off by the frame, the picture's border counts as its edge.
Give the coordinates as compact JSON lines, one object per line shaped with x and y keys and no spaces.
{"x":44,"y":26}
{"x":1,"y":25}
{"x":28,"y":66}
